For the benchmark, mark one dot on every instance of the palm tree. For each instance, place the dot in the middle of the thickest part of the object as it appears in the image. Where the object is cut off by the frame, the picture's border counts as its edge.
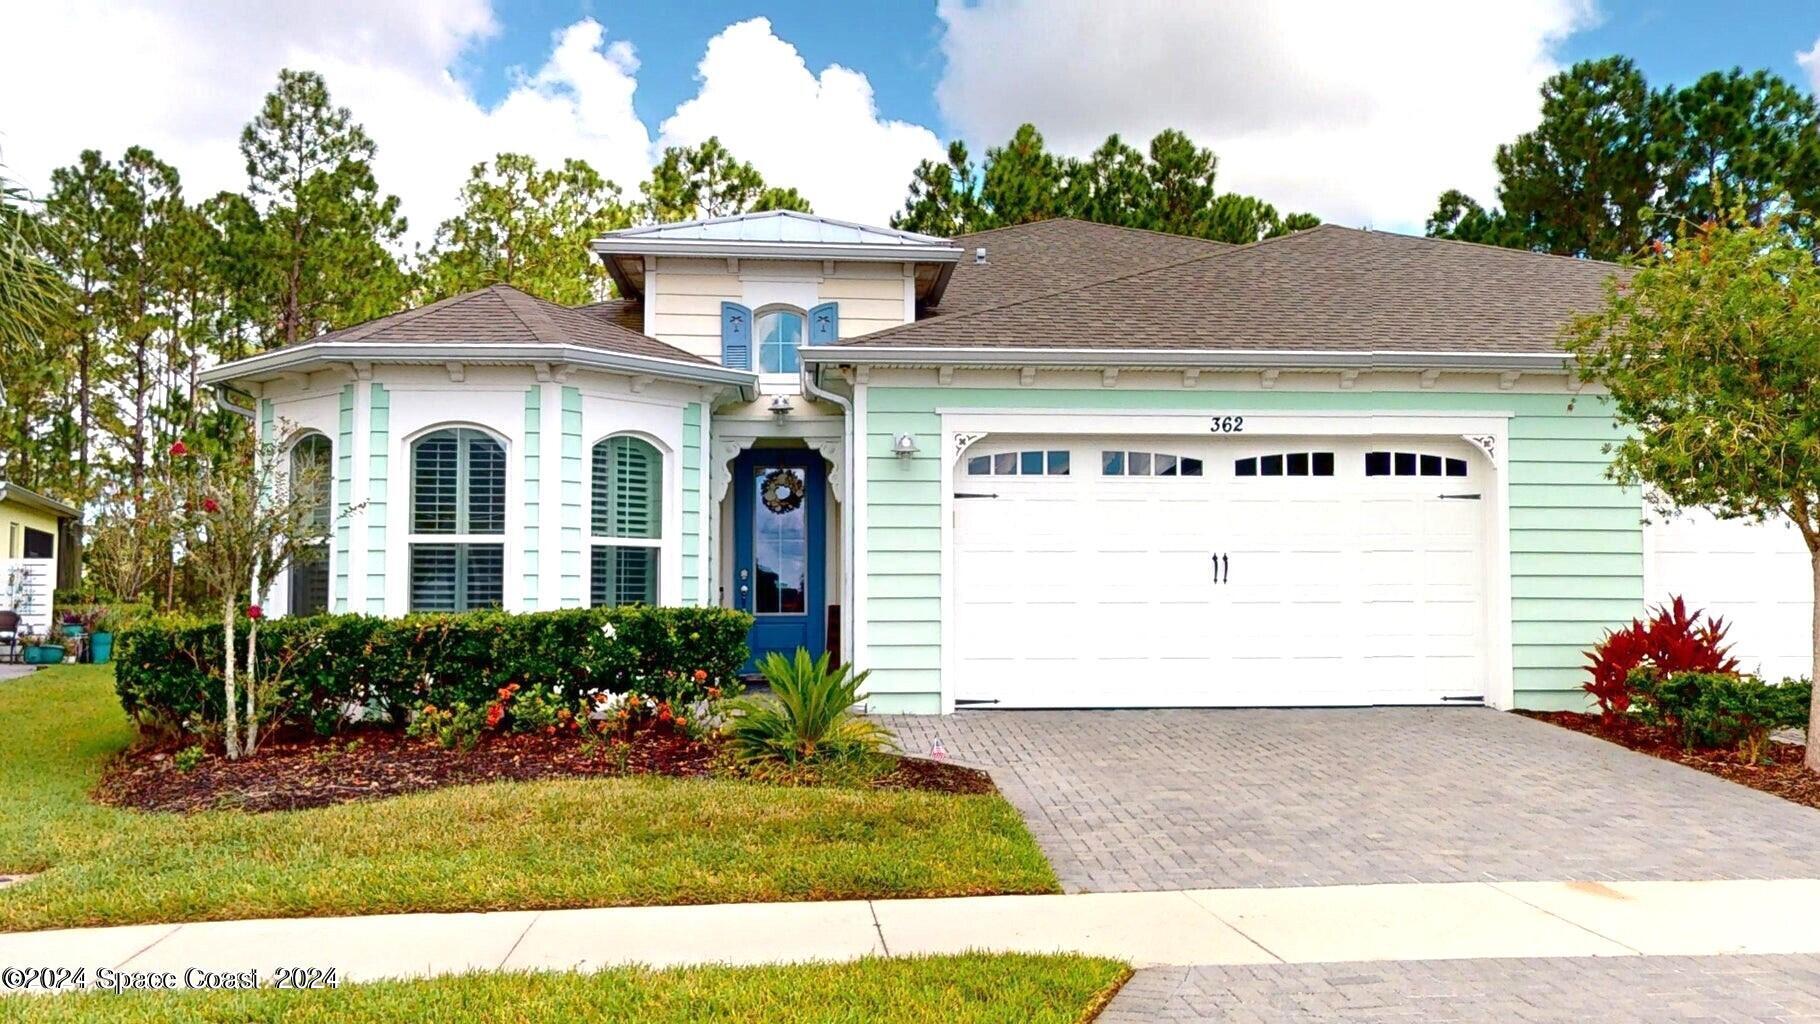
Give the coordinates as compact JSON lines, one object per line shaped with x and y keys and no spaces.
{"x":32,"y":295}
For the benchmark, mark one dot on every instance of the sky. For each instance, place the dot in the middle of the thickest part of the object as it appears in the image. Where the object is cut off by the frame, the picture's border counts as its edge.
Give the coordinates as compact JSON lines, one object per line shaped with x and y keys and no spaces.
{"x":1359,"y":113}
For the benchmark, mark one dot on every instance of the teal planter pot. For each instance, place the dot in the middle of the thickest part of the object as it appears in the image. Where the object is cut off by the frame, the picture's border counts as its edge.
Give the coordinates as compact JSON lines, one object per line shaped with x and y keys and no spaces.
{"x":101,"y":648}
{"x":41,"y":654}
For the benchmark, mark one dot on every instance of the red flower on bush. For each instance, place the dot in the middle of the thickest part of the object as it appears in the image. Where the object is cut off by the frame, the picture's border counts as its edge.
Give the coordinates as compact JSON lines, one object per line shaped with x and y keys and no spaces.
{"x":210,"y":505}
{"x":701,"y":675}
{"x":179,"y":449}
{"x":1673,"y":640}
{"x":253,"y":611}
{"x":495,"y":712}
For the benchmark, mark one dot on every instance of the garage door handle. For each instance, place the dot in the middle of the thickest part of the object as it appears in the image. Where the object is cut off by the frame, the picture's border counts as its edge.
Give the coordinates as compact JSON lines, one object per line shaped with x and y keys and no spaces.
{"x":1222,"y":562}
{"x":1459,"y":497}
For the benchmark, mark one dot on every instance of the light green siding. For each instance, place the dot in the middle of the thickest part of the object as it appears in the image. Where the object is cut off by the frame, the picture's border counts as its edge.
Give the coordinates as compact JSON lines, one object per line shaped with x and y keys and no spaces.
{"x":379,"y":477}
{"x":574,"y":589}
{"x":344,"y":489}
{"x":533,"y":491}
{"x":1575,"y":537}
{"x":692,"y":487}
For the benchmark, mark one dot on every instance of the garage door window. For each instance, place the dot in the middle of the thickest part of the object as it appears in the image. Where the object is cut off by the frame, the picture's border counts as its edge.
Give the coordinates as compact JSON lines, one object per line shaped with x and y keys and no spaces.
{"x":1412,"y":464}
{"x":1149,"y":464}
{"x":1286,"y":464}
{"x":1031,"y":463}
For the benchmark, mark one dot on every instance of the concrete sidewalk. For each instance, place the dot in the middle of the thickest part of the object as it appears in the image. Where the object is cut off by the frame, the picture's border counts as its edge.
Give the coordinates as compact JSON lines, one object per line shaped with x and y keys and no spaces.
{"x":1319,"y":924}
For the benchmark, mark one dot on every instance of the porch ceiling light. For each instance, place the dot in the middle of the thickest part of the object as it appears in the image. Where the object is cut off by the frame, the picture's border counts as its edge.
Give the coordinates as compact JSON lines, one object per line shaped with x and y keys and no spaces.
{"x":781,"y":405}
{"x":903,"y":446}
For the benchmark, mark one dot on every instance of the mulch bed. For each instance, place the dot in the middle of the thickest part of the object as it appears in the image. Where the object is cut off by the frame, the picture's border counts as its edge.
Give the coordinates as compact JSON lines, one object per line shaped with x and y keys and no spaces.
{"x":374,"y":764}
{"x":1784,"y":775}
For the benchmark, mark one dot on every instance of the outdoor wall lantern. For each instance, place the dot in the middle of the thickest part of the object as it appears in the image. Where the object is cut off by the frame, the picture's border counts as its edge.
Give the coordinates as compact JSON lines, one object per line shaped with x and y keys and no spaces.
{"x":903,"y":446}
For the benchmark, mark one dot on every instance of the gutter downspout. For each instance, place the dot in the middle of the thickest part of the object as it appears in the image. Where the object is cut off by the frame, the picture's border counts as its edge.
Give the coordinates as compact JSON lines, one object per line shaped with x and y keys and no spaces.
{"x":850,"y":515}
{"x":223,"y":393}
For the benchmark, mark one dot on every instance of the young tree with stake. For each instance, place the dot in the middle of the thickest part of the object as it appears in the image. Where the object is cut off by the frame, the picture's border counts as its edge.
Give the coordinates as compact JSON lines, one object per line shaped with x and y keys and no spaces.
{"x":246,"y":517}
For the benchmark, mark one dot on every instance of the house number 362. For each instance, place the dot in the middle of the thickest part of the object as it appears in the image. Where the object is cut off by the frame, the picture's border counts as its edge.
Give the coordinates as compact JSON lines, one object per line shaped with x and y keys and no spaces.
{"x":1229,"y":424}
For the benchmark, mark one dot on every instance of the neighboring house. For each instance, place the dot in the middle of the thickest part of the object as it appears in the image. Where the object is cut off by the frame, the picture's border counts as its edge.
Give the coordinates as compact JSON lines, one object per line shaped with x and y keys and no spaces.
{"x":33,"y":557}
{"x":1057,"y":464}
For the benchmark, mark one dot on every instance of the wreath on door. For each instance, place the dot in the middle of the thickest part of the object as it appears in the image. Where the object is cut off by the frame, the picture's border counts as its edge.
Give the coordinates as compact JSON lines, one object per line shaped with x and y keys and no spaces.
{"x":783,"y":491}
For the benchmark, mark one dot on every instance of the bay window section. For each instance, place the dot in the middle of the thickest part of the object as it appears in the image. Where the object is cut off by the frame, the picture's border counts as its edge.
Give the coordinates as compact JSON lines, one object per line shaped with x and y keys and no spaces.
{"x":310,"y":469}
{"x":626,"y":527}
{"x":458,"y":507}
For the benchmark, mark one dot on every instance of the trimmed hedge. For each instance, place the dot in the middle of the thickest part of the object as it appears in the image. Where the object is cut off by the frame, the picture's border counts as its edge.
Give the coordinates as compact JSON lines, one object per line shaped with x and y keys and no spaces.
{"x":313,"y":669}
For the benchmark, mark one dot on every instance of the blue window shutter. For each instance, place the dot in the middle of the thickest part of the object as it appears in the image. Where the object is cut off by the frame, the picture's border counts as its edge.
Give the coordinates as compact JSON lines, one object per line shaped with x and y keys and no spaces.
{"x":735,"y":336}
{"x":824,"y":324}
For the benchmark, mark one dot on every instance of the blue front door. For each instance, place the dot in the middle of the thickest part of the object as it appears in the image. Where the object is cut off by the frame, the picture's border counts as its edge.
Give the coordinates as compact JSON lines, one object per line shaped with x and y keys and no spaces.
{"x":778,"y":549}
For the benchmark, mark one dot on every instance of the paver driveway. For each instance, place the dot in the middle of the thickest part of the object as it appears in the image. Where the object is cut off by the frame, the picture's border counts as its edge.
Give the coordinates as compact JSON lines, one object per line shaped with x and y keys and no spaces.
{"x":1124,"y":800}
{"x":1623,"y":990}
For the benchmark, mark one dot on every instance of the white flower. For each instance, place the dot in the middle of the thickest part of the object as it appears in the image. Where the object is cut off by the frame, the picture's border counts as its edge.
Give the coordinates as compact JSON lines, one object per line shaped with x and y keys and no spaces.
{"x":607,"y":630}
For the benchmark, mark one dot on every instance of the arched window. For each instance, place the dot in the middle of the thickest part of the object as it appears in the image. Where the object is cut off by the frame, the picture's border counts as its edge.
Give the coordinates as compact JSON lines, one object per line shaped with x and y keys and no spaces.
{"x":311,"y":468}
{"x":458,"y":499}
{"x":779,"y":331}
{"x":627,"y":526}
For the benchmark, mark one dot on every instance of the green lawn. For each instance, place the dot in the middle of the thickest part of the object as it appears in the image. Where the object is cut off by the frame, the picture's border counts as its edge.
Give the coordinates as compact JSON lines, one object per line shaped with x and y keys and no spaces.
{"x":971,"y":989}
{"x":514,"y":846}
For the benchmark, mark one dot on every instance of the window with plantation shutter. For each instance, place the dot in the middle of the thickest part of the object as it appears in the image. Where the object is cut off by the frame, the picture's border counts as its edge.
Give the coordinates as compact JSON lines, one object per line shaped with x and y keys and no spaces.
{"x":626,"y":522}
{"x":458,"y":495}
{"x":311,"y":469}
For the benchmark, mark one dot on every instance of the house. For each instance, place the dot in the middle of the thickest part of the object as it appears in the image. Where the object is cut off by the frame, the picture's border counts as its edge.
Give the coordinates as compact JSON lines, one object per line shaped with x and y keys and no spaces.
{"x":1056,"y":464}
{"x":34,"y":560}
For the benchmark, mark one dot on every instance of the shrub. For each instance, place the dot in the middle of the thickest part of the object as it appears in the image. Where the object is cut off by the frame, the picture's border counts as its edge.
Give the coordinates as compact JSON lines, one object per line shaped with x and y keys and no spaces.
{"x":1710,"y":710}
{"x":808,"y":717}
{"x":315,"y":670}
{"x":1672,"y":640}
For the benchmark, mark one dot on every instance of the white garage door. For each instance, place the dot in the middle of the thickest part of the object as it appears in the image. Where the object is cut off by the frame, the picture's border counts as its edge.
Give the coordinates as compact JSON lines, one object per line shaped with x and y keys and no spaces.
{"x":1128,"y":572}
{"x":1755,"y":575}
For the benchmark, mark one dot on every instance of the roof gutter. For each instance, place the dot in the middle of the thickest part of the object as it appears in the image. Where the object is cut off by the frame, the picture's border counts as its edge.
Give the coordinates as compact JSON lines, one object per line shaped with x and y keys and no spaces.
{"x":895,"y":355}
{"x":24,"y":496}
{"x":874,"y":252}
{"x":437,"y":353}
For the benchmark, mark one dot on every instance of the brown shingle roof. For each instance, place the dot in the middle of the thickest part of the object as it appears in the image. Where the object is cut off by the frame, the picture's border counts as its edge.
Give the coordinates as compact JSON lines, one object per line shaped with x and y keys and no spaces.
{"x":1024,"y":261}
{"x":1325,"y":289}
{"x":503,"y":315}
{"x":627,"y":313}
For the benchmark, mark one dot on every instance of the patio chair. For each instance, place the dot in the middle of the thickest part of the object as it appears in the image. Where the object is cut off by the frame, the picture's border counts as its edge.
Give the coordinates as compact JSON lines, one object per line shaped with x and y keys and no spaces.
{"x":9,"y":634}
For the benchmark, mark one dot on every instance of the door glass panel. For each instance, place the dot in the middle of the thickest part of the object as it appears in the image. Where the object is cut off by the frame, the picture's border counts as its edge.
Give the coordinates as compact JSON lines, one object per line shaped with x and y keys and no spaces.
{"x":780,"y":542}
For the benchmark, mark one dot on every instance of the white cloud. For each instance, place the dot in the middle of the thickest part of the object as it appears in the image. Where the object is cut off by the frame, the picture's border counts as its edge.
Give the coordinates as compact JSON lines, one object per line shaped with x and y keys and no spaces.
{"x":1810,"y":62}
{"x":818,"y":133}
{"x":1360,"y":112}
{"x":184,"y":78}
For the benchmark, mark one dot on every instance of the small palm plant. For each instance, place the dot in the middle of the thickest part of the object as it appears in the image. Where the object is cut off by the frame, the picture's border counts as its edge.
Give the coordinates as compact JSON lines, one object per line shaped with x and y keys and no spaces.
{"x":807,"y":719}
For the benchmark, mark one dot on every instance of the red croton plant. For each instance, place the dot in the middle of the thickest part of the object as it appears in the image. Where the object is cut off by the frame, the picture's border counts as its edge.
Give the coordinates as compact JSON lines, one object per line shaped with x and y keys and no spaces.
{"x":1671,"y":640}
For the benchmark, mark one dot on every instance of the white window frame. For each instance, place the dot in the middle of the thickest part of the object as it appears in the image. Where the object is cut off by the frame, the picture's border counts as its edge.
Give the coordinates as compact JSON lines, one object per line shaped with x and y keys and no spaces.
{"x":660,"y":543}
{"x":758,"y":358}
{"x":413,"y":537}
{"x":327,"y":543}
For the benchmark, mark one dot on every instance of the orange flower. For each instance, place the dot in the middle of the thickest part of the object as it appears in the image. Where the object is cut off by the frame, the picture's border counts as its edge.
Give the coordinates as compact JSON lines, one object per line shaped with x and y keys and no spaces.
{"x":701,"y":675}
{"x":494,"y":714}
